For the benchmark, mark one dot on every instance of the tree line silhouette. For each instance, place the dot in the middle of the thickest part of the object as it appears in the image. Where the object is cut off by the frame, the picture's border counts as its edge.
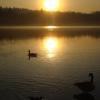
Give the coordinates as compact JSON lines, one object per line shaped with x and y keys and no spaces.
{"x":18,"y":16}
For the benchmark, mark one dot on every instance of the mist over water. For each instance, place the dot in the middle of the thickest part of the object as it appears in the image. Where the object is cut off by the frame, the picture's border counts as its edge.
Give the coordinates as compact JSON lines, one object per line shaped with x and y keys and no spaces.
{"x":65,"y":56}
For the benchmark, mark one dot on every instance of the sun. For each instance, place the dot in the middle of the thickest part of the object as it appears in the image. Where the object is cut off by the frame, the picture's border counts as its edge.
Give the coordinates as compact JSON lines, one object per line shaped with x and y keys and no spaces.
{"x":51,"y":5}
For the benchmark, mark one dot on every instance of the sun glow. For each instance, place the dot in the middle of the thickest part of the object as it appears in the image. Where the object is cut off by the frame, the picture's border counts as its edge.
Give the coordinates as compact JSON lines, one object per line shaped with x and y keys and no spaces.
{"x":51,"y":46}
{"x":51,"y":5}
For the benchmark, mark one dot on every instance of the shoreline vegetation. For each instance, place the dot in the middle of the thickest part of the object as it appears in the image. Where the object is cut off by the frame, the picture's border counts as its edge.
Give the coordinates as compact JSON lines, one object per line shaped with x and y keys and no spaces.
{"x":25,"y":17}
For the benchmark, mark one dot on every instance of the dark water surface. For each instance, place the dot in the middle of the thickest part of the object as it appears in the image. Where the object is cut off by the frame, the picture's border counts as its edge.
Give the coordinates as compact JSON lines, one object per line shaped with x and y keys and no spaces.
{"x":65,"y":56}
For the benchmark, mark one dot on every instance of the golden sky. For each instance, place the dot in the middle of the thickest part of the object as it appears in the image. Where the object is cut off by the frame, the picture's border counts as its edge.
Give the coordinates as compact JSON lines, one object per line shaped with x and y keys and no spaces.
{"x":64,"y":5}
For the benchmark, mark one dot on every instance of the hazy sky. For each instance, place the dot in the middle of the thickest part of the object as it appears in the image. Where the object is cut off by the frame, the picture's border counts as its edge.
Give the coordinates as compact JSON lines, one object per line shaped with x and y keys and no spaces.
{"x":65,"y":5}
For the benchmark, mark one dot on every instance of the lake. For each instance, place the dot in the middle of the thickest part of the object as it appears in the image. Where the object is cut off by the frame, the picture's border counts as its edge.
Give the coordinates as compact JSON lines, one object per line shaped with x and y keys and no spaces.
{"x":65,"y":56}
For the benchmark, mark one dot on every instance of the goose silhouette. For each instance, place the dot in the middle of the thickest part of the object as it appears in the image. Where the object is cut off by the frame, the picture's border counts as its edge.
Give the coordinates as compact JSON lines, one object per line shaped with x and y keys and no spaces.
{"x":32,"y":54}
{"x":87,"y":86}
{"x":36,"y":98}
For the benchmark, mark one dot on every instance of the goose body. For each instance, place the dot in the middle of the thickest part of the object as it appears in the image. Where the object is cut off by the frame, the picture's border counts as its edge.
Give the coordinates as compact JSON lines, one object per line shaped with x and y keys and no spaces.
{"x":87,"y":86}
{"x":32,"y":54}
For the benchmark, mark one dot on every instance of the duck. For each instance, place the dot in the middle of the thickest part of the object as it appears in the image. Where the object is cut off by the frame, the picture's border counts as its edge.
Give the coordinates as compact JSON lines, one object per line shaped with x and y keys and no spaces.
{"x":86,"y":86}
{"x":36,"y":98}
{"x":32,"y":54}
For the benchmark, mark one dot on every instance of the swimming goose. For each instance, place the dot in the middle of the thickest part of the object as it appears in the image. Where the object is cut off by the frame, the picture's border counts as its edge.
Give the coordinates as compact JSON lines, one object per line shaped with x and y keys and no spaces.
{"x":86,"y":86}
{"x":32,"y":54}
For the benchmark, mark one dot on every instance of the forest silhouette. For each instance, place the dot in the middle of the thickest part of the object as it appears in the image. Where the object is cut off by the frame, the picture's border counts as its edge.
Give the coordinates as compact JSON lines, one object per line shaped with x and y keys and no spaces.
{"x":18,"y":16}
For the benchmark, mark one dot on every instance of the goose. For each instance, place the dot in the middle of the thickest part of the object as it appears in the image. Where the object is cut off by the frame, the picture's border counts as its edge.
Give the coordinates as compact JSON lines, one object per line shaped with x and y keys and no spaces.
{"x":32,"y":54}
{"x":36,"y":98}
{"x":87,"y":86}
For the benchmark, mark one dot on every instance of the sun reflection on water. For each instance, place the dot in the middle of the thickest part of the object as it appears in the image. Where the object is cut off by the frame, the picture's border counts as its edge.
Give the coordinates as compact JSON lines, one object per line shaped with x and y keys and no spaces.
{"x":50,"y":28}
{"x":51,"y":45}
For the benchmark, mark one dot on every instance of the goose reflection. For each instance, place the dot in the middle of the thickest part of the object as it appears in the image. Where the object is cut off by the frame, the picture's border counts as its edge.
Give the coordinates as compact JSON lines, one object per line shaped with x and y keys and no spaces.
{"x":84,"y":96}
{"x":36,"y":98}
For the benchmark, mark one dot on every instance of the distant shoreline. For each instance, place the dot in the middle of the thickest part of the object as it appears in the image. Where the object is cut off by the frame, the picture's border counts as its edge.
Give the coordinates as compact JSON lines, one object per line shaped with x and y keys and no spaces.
{"x":25,"y":17}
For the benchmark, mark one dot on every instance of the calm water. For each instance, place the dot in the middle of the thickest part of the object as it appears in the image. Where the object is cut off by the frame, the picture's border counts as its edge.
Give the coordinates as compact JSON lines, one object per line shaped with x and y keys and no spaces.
{"x":62,"y":60}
